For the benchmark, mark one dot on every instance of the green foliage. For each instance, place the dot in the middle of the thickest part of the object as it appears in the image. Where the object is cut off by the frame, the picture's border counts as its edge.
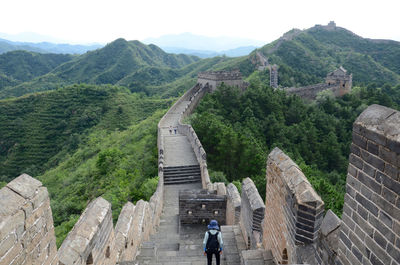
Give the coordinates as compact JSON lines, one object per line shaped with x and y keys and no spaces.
{"x":217,"y":176}
{"x":21,"y":66}
{"x":120,"y":62}
{"x":239,"y":129}
{"x":39,"y":130}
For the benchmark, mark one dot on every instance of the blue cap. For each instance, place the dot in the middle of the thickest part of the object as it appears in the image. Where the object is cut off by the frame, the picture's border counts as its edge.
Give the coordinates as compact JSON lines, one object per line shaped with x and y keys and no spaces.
{"x":213,"y":225}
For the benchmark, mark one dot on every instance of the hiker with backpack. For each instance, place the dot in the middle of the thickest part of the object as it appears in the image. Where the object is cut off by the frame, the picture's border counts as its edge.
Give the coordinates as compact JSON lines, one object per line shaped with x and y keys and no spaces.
{"x":212,"y":243}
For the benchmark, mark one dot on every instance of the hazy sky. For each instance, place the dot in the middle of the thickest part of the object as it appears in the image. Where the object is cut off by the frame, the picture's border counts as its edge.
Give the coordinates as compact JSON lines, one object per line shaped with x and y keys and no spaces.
{"x":87,"y":21}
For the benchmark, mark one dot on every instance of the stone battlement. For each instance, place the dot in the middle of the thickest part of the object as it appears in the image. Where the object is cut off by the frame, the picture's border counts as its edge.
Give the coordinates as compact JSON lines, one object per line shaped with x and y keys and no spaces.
{"x":338,"y":81}
{"x":220,"y":75}
{"x":214,"y":79}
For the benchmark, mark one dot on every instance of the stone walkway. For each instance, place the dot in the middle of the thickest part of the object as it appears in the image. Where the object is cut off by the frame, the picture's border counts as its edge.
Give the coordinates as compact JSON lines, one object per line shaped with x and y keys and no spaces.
{"x":174,"y":244}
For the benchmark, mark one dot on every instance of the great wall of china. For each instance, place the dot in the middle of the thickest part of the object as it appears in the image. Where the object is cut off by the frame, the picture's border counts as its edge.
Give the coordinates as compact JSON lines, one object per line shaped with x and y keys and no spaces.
{"x":290,"y":227}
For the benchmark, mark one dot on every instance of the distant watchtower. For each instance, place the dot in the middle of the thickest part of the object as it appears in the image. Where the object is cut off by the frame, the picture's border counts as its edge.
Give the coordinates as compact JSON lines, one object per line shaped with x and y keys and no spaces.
{"x":214,"y":79}
{"x":341,"y":79}
{"x":273,"y":76}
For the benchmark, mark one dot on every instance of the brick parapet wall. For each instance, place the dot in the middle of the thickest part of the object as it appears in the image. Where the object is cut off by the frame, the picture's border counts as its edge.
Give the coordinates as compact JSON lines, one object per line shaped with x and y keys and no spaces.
{"x":294,"y":211}
{"x":370,"y":233}
{"x":251,"y":214}
{"x":233,"y":205}
{"x":201,"y":206}
{"x":26,"y":223}
{"x":310,"y":92}
{"x":92,"y":238}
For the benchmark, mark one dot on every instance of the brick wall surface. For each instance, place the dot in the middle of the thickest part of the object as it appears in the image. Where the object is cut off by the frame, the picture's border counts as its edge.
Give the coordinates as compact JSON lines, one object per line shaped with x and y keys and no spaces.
{"x":233,"y":205}
{"x":26,"y":223}
{"x":370,"y":233}
{"x":251,"y":214}
{"x":91,"y":241}
{"x":201,"y":206}
{"x":293,"y":212}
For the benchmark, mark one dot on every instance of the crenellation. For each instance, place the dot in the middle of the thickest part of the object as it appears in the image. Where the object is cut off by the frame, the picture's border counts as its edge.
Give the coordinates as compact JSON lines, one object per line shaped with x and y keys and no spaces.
{"x":212,"y":80}
{"x":26,"y":223}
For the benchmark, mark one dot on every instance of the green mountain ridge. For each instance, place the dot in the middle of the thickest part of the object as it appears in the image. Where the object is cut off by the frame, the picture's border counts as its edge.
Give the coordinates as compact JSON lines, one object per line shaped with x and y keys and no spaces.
{"x":310,"y":54}
{"x":108,"y":65}
{"x":21,"y":66}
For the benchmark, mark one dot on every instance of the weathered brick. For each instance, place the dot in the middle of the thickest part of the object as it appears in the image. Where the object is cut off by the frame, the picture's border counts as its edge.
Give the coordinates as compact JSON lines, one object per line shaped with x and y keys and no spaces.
{"x":364,"y":225}
{"x":350,"y":191}
{"x":369,"y":182}
{"x":356,"y":161}
{"x":375,"y":261}
{"x":377,"y":251}
{"x":388,"y":155}
{"x":380,"y":240}
{"x":393,"y":146}
{"x":359,"y":243}
{"x":386,"y":219}
{"x":357,"y":253}
{"x":393,"y":252}
{"x":386,"y":232}
{"x":352,"y":170}
{"x":373,"y":148}
{"x":348,"y":221}
{"x":353,"y":182}
{"x":359,"y":140}
{"x":391,"y":171}
{"x":350,"y":201}
{"x":355,"y":149}
{"x":391,"y":184}
{"x":373,"y":160}
{"x":362,"y":212}
{"x":389,"y":195}
{"x":386,"y":206}
{"x":369,"y":170}
{"x":367,"y":204}
{"x":375,"y":137}
{"x":345,"y":240}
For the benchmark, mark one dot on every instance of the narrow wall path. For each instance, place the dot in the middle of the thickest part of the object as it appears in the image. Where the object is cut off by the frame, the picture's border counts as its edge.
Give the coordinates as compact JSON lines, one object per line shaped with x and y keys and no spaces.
{"x":173,"y":244}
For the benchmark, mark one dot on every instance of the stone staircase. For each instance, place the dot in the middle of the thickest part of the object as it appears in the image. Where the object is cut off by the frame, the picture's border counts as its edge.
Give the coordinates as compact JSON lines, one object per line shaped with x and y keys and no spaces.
{"x":182,"y":174}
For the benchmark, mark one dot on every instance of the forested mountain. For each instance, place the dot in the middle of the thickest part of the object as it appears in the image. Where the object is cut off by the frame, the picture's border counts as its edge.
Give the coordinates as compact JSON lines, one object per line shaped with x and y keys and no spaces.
{"x":21,"y":66}
{"x":307,"y":56}
{"x":109,"y":65}
{"x":36,"y":128}
{"x":45,"y":47}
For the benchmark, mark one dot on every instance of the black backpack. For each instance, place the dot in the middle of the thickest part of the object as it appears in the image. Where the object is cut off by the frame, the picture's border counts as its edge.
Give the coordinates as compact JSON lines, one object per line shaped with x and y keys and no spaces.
{"x":212,"y":242}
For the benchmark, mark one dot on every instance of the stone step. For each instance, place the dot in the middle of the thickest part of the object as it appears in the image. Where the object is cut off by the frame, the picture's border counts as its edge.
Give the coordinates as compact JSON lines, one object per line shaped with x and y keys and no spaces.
{"x":168,"y":170}
{"x":185,"y":175}
{"x":182,"y":181}
{"x":180,"y":167}
{"x":182,"y":173}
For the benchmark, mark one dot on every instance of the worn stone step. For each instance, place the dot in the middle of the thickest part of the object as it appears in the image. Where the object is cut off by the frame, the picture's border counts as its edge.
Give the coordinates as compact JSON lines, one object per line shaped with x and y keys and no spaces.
{"x":181,"y":170}
{"x":181,"y":167}
{"x":182,"y":181}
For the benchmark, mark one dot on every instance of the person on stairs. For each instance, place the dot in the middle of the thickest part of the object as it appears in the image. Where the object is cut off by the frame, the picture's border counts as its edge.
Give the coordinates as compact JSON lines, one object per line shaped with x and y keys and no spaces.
{"x":212,"y":243}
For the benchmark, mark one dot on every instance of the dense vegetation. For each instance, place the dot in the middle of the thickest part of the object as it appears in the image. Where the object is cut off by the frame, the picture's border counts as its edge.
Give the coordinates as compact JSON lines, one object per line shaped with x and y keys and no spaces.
{"x":109,"y":65}
{"x":82,"y":142}
{"x":22,"y":66}
{"x":305,"y":57}
{"x":238,"y":130}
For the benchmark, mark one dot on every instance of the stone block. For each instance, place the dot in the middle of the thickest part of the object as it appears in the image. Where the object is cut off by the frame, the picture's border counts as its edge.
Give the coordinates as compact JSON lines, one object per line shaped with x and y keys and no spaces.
{"x":330,"y":223}
{"x":25,"y":185}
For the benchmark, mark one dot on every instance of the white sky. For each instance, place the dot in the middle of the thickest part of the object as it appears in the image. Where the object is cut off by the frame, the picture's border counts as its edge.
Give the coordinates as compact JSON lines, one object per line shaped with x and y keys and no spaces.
{"x":88,"y":21}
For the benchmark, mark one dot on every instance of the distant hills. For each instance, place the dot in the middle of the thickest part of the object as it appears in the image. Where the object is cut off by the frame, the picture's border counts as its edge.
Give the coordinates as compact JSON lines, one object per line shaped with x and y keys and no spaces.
{"x":240,"y":51}
{"x":203,"y":46}
{"x":304,"y":57}
{"x":112,"y":64}
{"x":45,"y":47}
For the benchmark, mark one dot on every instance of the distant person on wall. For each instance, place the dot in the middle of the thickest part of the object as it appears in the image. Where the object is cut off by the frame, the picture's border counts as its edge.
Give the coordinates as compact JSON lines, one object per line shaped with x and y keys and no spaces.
{"x":170,"y":129}
{"x":175,"y":130}
{"x":212,"y":243}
